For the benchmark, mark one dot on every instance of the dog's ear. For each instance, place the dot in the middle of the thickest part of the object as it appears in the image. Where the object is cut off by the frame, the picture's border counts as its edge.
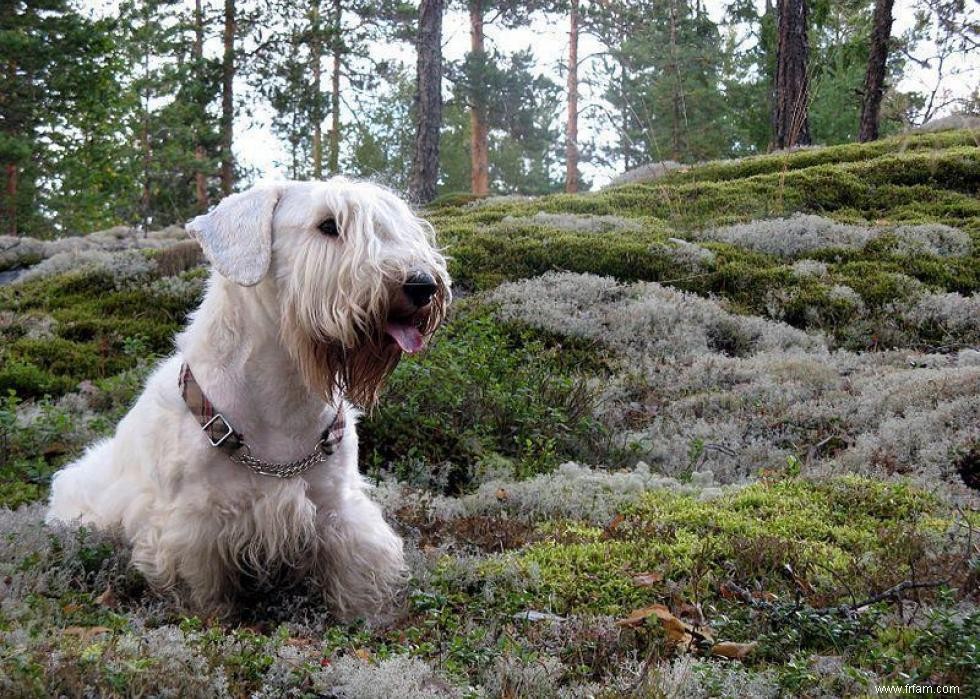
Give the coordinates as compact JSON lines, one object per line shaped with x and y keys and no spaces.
{"x":237,"y":234}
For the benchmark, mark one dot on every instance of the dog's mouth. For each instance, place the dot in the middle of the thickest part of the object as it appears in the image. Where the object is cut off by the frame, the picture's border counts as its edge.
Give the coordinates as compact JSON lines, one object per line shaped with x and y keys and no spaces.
{"x":406,"y":330}
{"x":413,"y":314}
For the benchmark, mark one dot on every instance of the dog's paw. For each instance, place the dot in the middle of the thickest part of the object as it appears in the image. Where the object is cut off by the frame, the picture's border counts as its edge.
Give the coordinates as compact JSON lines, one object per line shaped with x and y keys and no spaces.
{"x":366,"y":577}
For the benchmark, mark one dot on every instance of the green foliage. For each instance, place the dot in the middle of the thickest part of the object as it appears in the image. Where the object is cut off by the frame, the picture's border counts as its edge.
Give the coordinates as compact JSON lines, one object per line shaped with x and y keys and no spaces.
{"x":482,"y":388}
{"x":490,"y":398}
{"x":519,"y":108}
{"x":804,"y":549}
{"x":168,"y":112}
{"x":830,"y":530}
{"x":810,"y":157}
{"x":61,"y":78}
{"x":839,"y":40}
{"x":381,"y":142}
{"x":662,"y":77}
{"x":98,"y":331}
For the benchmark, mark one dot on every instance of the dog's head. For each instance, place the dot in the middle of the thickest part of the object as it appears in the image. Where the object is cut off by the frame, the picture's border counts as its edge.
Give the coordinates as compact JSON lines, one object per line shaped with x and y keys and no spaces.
{"x":357,"y":276}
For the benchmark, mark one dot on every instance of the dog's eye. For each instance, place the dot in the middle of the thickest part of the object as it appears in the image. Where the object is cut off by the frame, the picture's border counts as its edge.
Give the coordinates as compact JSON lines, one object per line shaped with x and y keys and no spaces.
{"x":329,"y":227}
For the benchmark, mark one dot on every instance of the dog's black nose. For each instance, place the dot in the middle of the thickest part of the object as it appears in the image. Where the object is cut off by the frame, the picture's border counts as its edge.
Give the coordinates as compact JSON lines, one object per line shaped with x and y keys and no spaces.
{"x":420,"y":287}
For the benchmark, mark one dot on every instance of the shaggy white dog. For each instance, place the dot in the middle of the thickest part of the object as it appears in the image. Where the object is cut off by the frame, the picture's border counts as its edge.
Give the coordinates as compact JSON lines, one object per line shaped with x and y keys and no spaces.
{"x":317,"y":289}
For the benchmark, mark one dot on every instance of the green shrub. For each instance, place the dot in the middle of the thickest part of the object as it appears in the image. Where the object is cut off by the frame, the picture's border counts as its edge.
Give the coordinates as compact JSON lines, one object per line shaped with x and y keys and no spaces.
{"x":483,"y":388}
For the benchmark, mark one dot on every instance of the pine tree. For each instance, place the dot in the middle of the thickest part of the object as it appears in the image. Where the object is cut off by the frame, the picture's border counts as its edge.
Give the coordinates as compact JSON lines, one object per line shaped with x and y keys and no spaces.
{"x":571,"y":124}
{"x":228,"y":99}
{"x":479,"y":147}
{"x":198,"y":68}
{"x":289,"y":73}
{"x":874,"y":81}
{"x":748,"y":74}
{"x":428,"y":102}
{"x":315,"y":68}
{"x":790,"y":118}
{"x":171,"y":88}
{"x":662,"y":71}
{"x":57,"y":66}
{"x":479,"y":69}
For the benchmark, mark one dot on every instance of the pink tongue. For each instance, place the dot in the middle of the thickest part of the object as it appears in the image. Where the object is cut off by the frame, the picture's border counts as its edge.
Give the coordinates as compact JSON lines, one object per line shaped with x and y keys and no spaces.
{"x":407,"y":336}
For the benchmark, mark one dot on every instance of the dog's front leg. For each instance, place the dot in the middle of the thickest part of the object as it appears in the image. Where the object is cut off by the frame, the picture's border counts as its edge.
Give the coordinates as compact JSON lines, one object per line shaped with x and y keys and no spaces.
{"x":181,"y":550}
{"x":361,"y":567}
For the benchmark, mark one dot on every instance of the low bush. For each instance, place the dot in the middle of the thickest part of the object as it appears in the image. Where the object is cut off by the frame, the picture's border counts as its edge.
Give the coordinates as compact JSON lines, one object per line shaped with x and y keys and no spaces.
{"x":482,"y":388}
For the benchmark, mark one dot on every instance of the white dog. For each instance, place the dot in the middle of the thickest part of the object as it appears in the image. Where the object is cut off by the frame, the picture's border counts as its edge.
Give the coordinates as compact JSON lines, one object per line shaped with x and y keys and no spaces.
{"x":238,"y":463}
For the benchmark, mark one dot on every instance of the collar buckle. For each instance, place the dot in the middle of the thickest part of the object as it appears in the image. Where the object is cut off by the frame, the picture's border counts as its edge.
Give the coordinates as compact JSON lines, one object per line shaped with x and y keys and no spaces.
{"x":220,"y":440}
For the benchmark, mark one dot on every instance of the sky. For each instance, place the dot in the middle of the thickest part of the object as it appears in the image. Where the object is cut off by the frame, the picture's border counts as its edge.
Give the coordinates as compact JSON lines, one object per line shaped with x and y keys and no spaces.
{"x":257,"y":148}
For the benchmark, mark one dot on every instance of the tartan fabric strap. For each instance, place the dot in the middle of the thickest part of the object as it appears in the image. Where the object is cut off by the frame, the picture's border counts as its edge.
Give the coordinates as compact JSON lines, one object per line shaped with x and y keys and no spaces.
{"x":222,"y":435}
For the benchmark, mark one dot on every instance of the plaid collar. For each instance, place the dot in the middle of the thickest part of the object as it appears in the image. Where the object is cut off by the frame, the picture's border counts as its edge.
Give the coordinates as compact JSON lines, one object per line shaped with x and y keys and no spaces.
{"x":222,"y":435}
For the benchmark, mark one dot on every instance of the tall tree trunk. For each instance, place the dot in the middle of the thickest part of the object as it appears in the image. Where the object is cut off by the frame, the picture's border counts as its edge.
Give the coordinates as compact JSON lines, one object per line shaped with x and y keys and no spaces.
{"x":428,"y":103}
{"x":338,"y":49}
{"x":9,"y":209}
{"x":228,"y":101}
{"x":200,"y":176}
{"x":316,"y":55}
{"x":677,"y":145}
{"x":479,"y":133}
{"x":625,"y":143}
{"x":790,"y":123}
{"x":571,"y":130}
{"x":147,"y":163}
{"x":765,"y":40}
{"x":10,"y":191}
{"x":145,"y":128}
{"x":874,"y":79}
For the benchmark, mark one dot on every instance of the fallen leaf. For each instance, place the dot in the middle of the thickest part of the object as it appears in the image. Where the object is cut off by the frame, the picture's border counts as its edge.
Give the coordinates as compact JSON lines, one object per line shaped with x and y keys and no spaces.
{"x":732,"y":650}
{"x":677,"y":631}
{"x":364,"y":654}
{"x":647,"y":579}
{"x":638,"y":616}
{"x":107,"y":598}
{"x":614,"y":523}
{"x":55,"y":449}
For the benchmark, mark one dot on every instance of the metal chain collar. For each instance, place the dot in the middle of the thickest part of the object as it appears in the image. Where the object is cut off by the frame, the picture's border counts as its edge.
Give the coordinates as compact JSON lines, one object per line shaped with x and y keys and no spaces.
{"x":287,"y":469}
{"x":222,"y":435}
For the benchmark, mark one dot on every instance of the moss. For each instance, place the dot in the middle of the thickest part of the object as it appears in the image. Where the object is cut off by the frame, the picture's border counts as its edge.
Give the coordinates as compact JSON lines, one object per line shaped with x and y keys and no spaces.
{"x":832,"y":531}
{"x":933,"y":180}
{"x":15,"y":494}
{"x":810,"y":157}
{"x":27,"y":379}
{"x":21,"y":262}
{"x":453,"y":199}
{"x":96,"y":330}
{"x":920,"y":186}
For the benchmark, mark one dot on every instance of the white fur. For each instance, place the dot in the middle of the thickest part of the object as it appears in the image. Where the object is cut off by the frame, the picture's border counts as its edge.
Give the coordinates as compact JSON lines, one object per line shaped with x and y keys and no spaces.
{"x":195,"y":518}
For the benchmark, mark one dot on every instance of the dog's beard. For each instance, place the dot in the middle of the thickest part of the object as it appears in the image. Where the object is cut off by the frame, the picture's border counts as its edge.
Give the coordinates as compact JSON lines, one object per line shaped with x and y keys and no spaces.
{"x":359,"y":371}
